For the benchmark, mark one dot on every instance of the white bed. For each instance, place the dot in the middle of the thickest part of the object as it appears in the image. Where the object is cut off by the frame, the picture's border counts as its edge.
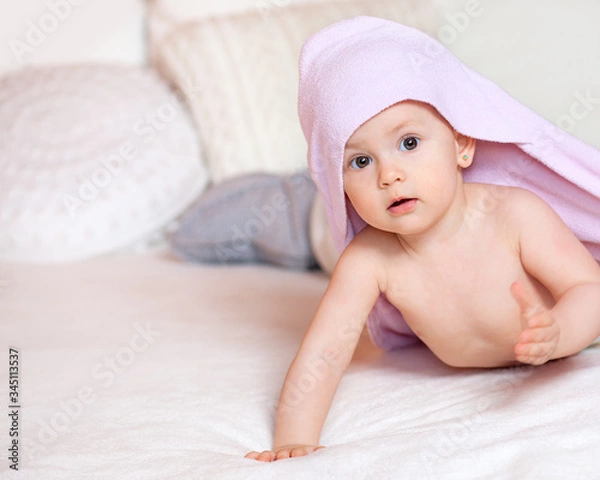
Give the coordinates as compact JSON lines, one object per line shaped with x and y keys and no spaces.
{"x":180,"y":368}
{"x":135,"y":364}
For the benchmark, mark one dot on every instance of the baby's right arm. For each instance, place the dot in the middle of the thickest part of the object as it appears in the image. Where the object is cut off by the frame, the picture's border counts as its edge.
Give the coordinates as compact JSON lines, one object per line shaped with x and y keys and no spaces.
{"x":324,"y":354}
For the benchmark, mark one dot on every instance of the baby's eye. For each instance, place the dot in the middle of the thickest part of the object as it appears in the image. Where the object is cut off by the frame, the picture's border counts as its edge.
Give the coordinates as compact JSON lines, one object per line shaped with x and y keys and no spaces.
{"x":409,"y":143}
{"x":360,"y":162}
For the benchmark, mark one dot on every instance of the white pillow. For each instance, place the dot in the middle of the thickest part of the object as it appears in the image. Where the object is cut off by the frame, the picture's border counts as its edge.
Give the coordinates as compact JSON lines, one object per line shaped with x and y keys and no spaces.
{"x":92,"y":159}
{"x":239,"y":74}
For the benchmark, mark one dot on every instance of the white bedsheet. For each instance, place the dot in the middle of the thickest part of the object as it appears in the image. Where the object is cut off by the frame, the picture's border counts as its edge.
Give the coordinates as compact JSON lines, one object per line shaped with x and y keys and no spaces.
{"x":149,"y":368}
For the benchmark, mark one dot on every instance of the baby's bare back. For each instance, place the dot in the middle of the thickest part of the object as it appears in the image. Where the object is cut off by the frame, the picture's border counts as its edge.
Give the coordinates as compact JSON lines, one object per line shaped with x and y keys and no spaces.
{"x":456,"y":296}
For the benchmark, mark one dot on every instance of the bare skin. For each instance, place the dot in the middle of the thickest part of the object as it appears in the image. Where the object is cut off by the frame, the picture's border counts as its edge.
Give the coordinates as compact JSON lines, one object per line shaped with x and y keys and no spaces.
{"x":485,"y":276}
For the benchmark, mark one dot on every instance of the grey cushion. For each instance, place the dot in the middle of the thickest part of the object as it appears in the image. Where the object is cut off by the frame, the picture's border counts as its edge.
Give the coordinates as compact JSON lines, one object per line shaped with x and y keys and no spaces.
{"x":251,"y":218}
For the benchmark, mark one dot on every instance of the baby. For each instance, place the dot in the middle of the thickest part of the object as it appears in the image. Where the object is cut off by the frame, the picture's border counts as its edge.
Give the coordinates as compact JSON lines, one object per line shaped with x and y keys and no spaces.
{"x":481,"y":287}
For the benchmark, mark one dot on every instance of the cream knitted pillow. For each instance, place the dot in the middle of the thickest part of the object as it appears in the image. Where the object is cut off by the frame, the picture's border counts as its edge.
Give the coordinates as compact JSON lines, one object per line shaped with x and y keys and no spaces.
{"x":239,"y":74}
{"x":93,"y":159}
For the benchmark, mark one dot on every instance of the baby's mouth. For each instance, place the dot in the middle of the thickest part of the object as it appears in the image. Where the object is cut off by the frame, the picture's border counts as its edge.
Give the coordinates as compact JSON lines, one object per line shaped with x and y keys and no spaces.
{"x":400,"y":201}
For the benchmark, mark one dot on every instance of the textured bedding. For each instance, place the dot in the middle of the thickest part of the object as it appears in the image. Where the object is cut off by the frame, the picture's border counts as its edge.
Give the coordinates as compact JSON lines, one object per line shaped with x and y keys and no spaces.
{"x":146,"y":367}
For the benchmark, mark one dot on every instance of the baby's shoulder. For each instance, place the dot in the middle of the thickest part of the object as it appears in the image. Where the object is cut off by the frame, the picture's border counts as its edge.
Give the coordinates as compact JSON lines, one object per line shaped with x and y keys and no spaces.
{"x":372,"y":238}
{"x":372,"y":243}
{"x":514,"y":203}
{"x":522,"y":202}
{"x":365,"y":255}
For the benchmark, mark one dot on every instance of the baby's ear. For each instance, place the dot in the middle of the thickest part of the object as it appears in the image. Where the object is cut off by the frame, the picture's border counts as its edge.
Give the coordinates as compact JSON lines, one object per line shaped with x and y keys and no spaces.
{"x":465,"y":150}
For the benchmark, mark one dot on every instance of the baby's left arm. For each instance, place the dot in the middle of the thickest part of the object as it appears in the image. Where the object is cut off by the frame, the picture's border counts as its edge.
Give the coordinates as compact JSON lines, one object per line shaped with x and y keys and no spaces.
{"x":552,"y":254}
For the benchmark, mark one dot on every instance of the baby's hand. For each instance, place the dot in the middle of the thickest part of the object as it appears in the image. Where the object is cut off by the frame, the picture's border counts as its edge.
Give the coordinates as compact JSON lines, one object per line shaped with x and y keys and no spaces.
{"x":540,"y":332}
{"x":286,"y":451}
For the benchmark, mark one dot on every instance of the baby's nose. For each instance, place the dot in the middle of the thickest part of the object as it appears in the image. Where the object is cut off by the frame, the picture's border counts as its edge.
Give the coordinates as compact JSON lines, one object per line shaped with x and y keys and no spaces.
{"x":391,"y":172}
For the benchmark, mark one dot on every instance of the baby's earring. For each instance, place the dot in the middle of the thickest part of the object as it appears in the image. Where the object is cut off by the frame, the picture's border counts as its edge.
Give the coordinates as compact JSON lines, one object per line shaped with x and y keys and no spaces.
{"x":465,"y":157}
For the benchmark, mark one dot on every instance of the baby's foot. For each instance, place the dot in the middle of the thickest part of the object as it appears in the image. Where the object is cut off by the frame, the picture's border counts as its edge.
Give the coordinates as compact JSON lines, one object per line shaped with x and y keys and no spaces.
{"x":540,"y":332}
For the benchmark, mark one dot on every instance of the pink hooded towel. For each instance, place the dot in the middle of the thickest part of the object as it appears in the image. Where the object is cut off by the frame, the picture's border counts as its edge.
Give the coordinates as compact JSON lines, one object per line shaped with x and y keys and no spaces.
{"x":354,"y":69}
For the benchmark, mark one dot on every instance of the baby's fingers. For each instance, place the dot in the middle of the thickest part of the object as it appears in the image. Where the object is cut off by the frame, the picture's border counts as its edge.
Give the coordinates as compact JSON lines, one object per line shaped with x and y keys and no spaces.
{"x":299,"y":451}
{"x":265,"y":456}
{"x":525,"y":299}
{"x":536,"y":345}
{"x":534,"y":353}
{"x":284,"y":452}
{"x":292,"y":452}
{"x":539,"y":334}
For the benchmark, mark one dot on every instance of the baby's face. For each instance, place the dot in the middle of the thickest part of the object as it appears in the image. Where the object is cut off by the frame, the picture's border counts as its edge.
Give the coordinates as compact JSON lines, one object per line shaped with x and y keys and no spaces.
{"x":402,"y":168}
